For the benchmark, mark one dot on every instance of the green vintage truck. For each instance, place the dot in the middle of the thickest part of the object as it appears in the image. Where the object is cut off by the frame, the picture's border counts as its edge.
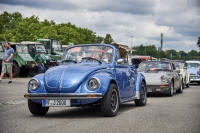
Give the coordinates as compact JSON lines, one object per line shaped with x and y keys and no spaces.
{"x":33,"y":48}
{"x":22,"y":61}
{"x":53,"y":47}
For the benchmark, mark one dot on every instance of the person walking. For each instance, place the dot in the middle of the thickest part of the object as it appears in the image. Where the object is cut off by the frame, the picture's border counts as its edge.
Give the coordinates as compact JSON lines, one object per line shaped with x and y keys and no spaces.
{"x":7,"y":62}
{"x":39,"y":62}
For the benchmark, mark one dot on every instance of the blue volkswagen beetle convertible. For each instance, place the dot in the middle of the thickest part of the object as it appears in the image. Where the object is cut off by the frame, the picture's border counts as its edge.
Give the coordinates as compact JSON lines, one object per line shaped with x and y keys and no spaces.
{"x":88,"y":74}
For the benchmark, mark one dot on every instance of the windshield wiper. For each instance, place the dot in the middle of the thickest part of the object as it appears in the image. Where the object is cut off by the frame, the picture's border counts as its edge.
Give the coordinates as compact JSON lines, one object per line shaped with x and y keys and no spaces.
{"x":90,"y":58}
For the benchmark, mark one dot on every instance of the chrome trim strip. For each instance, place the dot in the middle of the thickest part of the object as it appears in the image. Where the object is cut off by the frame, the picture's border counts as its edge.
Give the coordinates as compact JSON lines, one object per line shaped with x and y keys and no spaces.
{"x":63,"y":96}
{"x":127,"y":99}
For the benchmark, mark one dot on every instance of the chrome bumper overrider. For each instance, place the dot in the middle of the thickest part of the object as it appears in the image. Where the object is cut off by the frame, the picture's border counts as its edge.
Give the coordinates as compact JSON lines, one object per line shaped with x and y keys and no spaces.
{"x":62,"y":96}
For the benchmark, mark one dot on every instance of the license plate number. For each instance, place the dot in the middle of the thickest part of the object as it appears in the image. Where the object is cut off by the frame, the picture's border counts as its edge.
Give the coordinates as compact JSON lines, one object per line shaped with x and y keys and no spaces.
{"x":56,"y":103}
{"x":158,"y":89}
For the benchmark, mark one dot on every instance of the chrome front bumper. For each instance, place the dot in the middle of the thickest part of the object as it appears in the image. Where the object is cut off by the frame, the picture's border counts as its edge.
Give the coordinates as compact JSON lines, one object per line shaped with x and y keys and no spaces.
{"x":63,"y":96}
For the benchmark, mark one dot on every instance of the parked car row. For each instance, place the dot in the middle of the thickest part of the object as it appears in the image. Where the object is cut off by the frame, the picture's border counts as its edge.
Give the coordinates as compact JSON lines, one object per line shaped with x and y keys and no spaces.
{"x":103,"y":74}
{"x":162,"y":76}
{"x":87,"y":75}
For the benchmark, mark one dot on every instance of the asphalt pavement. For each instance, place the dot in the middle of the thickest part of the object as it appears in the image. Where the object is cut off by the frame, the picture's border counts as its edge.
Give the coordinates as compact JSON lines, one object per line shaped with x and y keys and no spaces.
{"x":162,"y":114}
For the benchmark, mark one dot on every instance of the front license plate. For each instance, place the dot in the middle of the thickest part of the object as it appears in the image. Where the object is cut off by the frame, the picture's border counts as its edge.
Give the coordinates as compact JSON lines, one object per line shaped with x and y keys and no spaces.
{"x":56,"y":103}
{"x":158,"y":89}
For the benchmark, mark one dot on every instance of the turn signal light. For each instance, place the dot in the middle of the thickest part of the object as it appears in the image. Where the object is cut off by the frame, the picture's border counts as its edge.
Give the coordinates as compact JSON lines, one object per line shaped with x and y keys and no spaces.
{"x":163,"y":85}
{"x":92,"y":95}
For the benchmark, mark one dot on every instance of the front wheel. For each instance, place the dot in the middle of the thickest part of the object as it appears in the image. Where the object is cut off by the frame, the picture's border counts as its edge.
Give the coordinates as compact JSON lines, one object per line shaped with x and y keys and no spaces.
{"x":36,"y":108}
{"x":171,"y":89}
{"x":110,"y":102}
{"x":143,"y":96}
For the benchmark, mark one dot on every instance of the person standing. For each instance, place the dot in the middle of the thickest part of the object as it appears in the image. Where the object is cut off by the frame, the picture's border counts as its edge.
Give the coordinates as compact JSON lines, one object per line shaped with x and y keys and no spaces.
{"x":39,"y":62}
{"x":7,"y":62}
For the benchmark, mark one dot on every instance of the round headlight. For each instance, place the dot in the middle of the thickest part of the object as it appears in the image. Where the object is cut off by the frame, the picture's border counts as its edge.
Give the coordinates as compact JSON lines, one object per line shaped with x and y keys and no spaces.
{"x":93,"y":84}
{"x":33,"y":84}
{"x":164,"y":78}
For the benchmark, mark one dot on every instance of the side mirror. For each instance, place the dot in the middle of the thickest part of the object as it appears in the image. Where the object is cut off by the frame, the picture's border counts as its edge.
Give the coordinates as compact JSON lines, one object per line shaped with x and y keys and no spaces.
{"x":120,"y":61}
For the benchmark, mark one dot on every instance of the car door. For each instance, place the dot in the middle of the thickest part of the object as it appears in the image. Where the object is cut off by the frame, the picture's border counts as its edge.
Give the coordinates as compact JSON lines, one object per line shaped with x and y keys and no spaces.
{"x":124,"y":77}
{"x":176,"y":77}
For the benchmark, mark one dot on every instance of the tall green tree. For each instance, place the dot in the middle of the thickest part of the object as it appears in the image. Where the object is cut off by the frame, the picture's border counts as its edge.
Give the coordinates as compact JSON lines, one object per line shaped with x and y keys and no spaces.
{"x":13,"y":27}
{"x":108,"y":39}
{"x":198,"y":42}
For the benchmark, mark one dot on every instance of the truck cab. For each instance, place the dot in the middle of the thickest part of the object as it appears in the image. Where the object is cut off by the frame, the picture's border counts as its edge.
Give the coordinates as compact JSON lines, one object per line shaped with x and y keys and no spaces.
{"x":53,"y":47}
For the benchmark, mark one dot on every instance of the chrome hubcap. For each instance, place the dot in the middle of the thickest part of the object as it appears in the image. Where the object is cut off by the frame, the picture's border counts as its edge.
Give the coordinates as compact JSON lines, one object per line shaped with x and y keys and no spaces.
{"x":114,"y":101}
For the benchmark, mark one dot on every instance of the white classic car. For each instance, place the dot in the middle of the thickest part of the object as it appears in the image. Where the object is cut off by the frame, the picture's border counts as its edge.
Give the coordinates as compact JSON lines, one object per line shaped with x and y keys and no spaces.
{"x":182,"y":66}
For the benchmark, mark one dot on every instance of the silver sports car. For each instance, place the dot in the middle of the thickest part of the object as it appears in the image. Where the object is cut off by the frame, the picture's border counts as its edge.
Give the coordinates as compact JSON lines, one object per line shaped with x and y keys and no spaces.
{"x":161,"y":76}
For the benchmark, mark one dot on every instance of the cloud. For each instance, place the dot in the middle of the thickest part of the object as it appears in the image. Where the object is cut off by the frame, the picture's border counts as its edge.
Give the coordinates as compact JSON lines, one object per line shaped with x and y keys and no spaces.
{"x":41,"y":4}
{"x":179,"y":20}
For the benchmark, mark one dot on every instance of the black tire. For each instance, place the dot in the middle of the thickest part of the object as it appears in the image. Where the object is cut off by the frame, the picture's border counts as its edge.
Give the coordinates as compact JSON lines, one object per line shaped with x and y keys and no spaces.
{"x":198,"y":83}
{"x":143,"y":96}
{"x":15,"y":70}
{"x":171,"y":89}
{"x":37,"y":109}
{"x":180,"y":90}
{"x":110,"y":102}
{"x":188,"y":85}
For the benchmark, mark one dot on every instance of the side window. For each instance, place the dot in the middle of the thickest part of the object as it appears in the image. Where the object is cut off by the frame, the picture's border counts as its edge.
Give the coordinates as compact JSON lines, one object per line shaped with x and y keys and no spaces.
{"x":123,"y":56}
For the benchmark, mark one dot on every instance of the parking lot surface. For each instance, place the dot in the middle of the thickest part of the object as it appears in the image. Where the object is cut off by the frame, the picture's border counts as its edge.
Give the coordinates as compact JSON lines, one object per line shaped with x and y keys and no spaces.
{"x":162,"y":114}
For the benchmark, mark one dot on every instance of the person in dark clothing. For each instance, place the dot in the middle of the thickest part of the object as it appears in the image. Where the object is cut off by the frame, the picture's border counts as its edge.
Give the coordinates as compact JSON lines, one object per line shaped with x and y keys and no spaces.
{"x":39,"y":62}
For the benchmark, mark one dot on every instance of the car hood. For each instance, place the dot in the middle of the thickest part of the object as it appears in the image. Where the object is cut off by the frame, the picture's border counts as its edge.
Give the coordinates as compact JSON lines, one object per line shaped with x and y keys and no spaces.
{"x":25,"y":57}
{"x":154,"y":78}
{"x":193,"y":70}
{"x":67,"y":78}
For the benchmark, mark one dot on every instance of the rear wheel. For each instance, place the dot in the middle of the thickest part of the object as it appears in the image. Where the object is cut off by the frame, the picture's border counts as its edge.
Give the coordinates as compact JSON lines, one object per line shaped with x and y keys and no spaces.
{"x":36,"y":108}
{"x":188,"y":85}
{"x":110,"y":102}
{"x":143,"y":96}
{"x":180,"y":90}
{"x":15,"y":70}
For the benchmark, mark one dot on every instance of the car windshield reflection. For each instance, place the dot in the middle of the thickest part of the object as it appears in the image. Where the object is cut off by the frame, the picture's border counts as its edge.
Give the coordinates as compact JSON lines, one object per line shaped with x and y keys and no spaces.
{"x":88,"y":54}
{"x":154,"y":66}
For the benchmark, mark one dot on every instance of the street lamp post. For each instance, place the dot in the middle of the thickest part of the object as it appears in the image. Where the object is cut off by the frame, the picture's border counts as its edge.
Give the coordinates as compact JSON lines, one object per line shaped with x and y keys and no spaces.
{"x":131,"y":41}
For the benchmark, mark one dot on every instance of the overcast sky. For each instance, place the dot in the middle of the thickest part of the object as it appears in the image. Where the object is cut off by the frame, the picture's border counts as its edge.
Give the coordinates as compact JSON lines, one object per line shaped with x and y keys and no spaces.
{"x":179,"y":20}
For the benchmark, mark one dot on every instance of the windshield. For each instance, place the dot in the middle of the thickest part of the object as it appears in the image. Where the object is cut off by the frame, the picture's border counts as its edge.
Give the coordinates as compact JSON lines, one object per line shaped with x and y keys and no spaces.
{"x":85,"y":54}
{"x":179,"y":65}
{"x":190,"y":65}
{"x":1,"y":48}
{"x":154,"y":66}
{"x":56,"y":45}
{"x":22,"y":49}
{"x":40,"y":48}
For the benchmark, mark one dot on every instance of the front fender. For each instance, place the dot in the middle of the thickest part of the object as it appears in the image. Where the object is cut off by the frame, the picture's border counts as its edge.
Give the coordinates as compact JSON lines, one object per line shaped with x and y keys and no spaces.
{"x":104,"y":79}
{"x":139,"y":78}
